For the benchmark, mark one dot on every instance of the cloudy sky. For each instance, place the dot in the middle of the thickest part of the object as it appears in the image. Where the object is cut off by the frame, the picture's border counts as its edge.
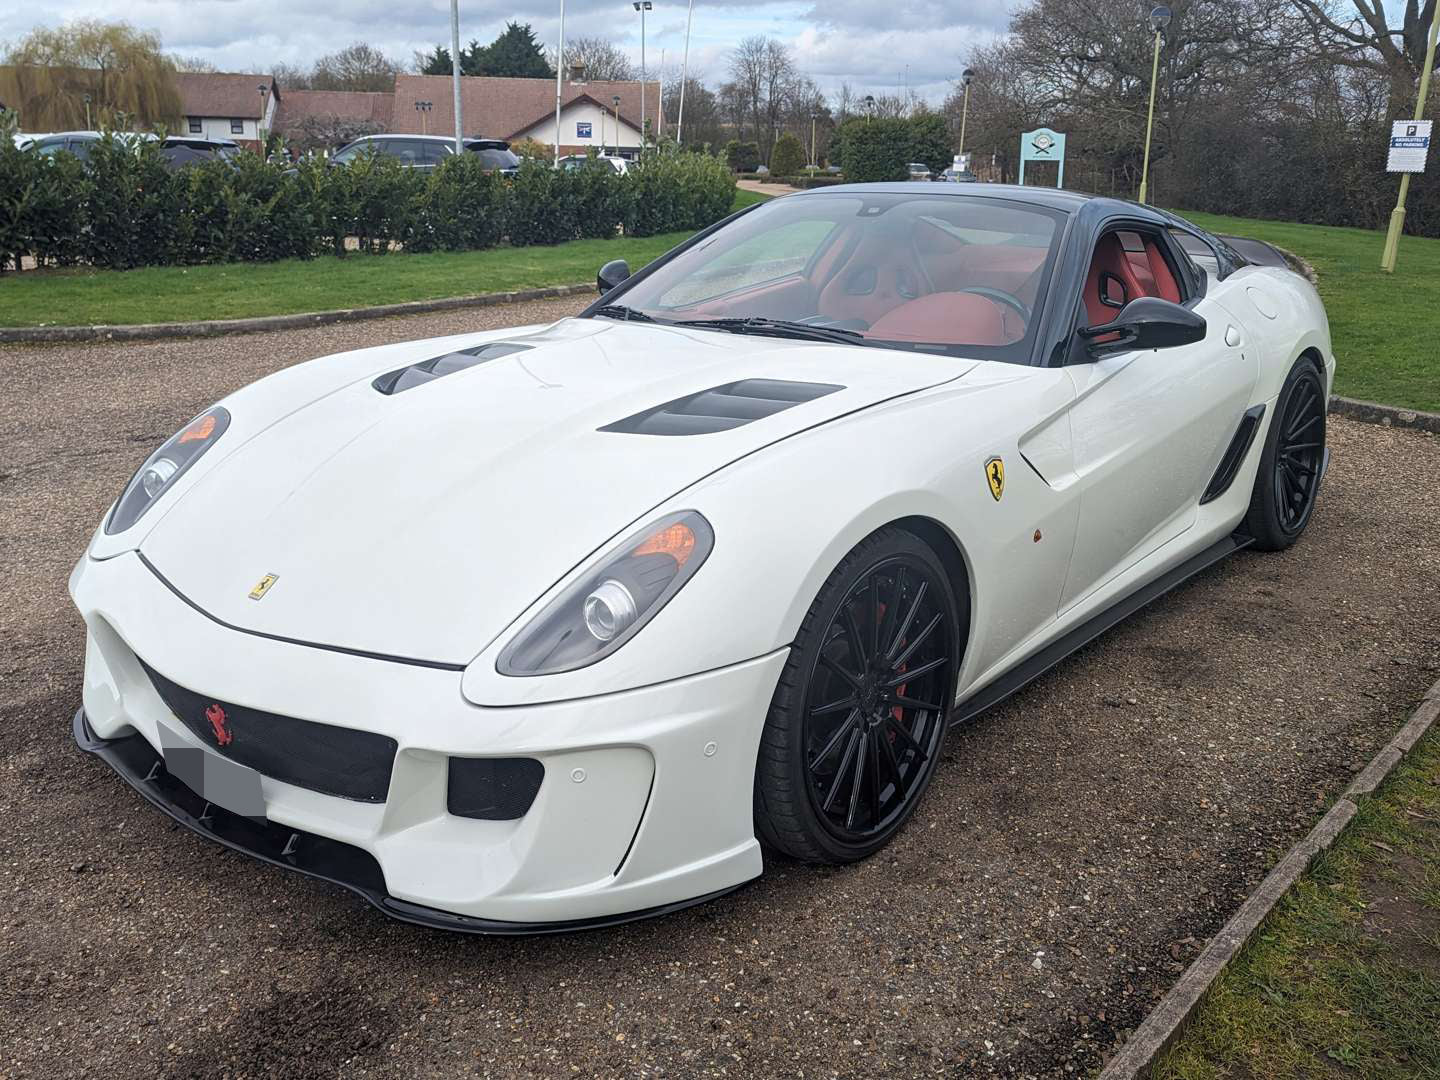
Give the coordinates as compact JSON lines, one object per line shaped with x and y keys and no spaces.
{"x":873,"y":44}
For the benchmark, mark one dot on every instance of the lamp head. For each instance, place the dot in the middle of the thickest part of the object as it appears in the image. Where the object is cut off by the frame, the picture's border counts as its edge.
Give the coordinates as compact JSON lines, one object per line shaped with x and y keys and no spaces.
{"x":1159,"y":18}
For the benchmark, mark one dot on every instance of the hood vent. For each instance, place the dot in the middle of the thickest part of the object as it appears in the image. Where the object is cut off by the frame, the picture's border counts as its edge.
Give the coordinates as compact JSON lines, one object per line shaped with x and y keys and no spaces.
{"x":427,"y":371}
{"x":722,"y":407}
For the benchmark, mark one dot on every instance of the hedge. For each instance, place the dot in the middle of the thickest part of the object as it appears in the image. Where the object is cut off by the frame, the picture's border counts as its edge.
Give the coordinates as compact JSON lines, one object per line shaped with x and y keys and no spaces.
{"x":122,"y":208}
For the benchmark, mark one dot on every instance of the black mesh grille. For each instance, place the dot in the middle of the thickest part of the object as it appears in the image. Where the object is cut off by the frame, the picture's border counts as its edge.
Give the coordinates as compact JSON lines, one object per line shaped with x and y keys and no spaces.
{"x":321,"y":757}
{"x":493,"y":789}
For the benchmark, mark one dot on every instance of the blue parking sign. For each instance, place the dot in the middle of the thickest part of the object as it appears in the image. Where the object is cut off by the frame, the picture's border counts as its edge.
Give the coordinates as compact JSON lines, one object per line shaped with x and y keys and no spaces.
{"x":582,"y":129}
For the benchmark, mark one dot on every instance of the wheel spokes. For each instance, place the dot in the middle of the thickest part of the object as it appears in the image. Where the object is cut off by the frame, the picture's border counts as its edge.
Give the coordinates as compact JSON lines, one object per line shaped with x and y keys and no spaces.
{"x":909,"y":618}
{"x":850,"y":678}
{"x":919,"y":640}
{"x":831,"y":795}
{"x":915,"y":672}
{"x":844,"y":729}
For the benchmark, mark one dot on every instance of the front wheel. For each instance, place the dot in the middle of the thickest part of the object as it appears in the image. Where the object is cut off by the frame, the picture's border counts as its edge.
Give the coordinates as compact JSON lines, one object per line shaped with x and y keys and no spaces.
{"x":859,"y":715}
{"x":1292,"y":460}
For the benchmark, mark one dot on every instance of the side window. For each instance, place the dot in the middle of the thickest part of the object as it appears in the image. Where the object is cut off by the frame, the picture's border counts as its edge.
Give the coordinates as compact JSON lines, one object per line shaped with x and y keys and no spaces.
{"x":436,"y":152}
{"x":194,"y":123}
{"x":237,"y":127}
{"x":1127,"y":264}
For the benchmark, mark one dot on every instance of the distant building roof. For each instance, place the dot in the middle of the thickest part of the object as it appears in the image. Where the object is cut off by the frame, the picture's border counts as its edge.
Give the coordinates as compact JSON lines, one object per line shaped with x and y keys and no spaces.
{"x":215,"y":93}
{"x":507,"y":107}
{"x":358,"y":105}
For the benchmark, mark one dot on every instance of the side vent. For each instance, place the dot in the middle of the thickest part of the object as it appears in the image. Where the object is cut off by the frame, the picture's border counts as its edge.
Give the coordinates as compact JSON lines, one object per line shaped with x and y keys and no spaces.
{"x":722,"y":407}
{"x":427,"y":371}
{"x":1234,"y":455}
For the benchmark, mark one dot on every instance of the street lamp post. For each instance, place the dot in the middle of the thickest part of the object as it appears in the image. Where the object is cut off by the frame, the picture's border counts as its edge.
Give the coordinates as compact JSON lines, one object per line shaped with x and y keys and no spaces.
{"x":423,"y":108}
{"x":813,"y":116}
{"x":869,"y":104}
{"x":615,"y":121}
{"x":966,"y":78}
{"x":559,"y":69}
{"x":260,"y":124}
{"x":455,"y":72}
{"x":642,"y":6}
{"x":684,"y":75}
{"x":1397,"y":216}
{"x":1159,"y":19}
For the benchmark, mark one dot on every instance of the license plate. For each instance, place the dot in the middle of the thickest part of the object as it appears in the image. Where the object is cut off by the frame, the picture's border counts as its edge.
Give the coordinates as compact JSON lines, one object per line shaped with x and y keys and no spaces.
{"x":218,"y":780}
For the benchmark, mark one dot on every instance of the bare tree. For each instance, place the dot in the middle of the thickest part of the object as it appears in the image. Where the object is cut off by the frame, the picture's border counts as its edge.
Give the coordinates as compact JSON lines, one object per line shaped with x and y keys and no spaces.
{"x":762,"y":81}
{"x":1358,"y":33}
{"x":600,"y":60}
{"x":355,"y":67}
{"x":192,"y":63}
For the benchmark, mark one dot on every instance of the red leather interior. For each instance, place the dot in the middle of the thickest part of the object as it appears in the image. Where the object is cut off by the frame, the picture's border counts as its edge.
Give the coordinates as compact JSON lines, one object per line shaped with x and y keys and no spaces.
{"x":1143,"y":273}
{"x":951,"y":319}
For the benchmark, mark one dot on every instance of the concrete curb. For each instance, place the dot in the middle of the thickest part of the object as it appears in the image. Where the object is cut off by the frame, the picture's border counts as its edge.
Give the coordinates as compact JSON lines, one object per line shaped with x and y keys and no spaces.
{"x":1369,"y":412}
{"x":1159,"y":1030}
{"x":216,"y":327}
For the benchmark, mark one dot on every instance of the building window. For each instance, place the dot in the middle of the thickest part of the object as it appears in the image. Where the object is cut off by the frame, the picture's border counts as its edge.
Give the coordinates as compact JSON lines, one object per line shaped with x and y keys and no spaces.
{"x":237,"y":127}
{"x":194,"y":125}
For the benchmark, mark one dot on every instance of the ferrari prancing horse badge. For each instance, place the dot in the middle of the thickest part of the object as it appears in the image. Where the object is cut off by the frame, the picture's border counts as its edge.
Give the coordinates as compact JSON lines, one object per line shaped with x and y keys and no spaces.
{"x":995,"y":473}
{"x":265,"y":582}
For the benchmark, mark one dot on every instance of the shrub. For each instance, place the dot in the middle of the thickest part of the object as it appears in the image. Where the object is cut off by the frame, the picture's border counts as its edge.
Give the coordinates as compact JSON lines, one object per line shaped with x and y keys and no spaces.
{"x":670,"y":192}
{"x":130,"y":208}
{"x":462,"y":208}
{"x":788,"y":157}
{"x":542,"y":204}
{"x":742,"y":157}
{"x":600,"y":199}
{"x":870,"y":150}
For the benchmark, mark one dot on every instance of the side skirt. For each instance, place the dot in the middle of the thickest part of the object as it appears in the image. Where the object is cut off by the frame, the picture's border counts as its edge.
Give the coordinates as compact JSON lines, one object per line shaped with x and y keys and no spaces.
{"x":1031,"y":669}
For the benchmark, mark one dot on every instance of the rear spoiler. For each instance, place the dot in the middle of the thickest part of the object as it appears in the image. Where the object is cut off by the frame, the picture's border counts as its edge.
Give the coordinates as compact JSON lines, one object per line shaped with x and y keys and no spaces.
{"x":1258,"y":252}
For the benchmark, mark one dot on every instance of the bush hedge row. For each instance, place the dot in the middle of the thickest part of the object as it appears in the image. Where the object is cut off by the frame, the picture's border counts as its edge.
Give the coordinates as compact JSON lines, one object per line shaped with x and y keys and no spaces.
{"x":122,"y":208}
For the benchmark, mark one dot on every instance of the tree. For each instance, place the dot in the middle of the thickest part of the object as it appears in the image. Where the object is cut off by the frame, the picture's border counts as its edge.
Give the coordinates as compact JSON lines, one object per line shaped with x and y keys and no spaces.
{"x":600,"y":60}
{"x":762,"y":81}
{"x":192,"y":63}
{"x":704,"y":124}
{"x":742,"y":156}
{"x":326,"y":131}
{"x":121,"y":69}
{"x":289,"y":77}
{"x":355,"y":67}
{"x":515,"y":53}
{"x":434,"y":63}
{"x":788,"y":157}
{"x":1359,"y":34}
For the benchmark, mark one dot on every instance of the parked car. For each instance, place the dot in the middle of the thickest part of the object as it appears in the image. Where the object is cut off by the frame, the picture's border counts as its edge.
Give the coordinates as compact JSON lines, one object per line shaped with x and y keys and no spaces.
{"x":562,"y":641}
{"x":958,"y":176}
{"x":919,"y":171}
{"x":579,"y":161}
{"x":180,"y":150}
{"x":176,"y":150}
{"x":427,"y":151}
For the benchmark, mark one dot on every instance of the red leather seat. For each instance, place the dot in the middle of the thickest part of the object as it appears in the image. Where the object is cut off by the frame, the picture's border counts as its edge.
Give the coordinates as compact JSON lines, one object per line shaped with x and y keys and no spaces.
{"x":1142,"y":273}
{"x":950,"y":319}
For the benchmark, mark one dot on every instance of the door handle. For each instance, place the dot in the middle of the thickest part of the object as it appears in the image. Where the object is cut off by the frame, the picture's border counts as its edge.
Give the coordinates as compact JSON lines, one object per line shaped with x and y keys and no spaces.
{"x":1232,"y":336}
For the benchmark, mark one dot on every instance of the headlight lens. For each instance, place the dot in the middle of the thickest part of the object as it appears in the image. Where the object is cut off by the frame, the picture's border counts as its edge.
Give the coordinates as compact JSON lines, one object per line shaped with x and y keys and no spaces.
{"x":164,"y":466}
{"x":607,"y":606}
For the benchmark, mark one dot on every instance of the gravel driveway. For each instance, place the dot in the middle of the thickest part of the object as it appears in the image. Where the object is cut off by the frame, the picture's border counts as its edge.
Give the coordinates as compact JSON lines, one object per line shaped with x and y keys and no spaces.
{"x":1078,"y":846}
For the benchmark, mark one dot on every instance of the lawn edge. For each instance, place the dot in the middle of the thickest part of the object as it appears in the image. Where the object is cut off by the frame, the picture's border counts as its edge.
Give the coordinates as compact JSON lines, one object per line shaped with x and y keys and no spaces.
{"x":1159,"y":1030}
{"x":261,"y":323}
{"x":1370,"y":412}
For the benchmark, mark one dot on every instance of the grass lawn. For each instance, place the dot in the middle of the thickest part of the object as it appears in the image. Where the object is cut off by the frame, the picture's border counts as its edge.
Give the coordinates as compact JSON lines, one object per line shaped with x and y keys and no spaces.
{"x":236,"y":290}
{"x":1384,"y":326}
{"x":1343,"y":979}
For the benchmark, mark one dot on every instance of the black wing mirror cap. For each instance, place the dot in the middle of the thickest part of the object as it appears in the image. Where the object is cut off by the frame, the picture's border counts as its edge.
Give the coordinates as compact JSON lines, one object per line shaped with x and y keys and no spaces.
{"x":1146,"y":322}
{"x":612,"y":275}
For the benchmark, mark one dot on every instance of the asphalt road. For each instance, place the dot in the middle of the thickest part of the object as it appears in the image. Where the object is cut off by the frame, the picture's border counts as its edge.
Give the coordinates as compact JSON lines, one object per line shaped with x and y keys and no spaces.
{"x":1076,"y":849}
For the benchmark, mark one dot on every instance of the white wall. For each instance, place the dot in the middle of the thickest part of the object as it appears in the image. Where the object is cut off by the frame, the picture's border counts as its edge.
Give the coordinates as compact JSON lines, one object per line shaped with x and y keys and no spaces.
{"x":583,"y":112}
{"x":218,"y":127}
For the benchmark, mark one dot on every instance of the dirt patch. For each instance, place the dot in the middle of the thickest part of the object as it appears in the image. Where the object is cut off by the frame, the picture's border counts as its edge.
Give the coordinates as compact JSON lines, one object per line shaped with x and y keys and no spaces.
{"x":1075,"y":841}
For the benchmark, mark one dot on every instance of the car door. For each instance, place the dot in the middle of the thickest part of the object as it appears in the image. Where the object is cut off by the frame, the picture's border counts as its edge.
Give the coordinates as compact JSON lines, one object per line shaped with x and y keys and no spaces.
{"x":1148,"y":426}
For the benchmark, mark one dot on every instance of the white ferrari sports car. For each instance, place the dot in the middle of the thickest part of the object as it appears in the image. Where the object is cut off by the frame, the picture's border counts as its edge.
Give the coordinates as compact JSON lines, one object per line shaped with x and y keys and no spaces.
{"x":560,"y":626}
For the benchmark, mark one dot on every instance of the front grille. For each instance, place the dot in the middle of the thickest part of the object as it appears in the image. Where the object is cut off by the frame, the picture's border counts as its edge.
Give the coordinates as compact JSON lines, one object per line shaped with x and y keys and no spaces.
{"x":493,"y":789}
{"x":321,"y":757}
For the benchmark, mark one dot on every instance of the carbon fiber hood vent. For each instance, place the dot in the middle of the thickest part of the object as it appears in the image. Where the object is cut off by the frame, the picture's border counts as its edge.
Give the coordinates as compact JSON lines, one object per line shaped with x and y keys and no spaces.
{"x":722,"y":407}
{"x":427,"y":371}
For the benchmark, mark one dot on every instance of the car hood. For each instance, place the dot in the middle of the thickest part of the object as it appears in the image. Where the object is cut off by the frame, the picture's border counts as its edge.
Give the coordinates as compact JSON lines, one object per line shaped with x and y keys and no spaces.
{"x":419,"y":524}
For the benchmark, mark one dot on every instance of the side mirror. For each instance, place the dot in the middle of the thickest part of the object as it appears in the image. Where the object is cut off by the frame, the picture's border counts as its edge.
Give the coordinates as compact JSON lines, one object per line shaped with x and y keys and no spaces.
{"x":612,"y":274}
{"x":1147,"y":322}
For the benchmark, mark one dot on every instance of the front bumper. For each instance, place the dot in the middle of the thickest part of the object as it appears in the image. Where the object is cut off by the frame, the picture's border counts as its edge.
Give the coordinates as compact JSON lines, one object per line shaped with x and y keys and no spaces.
{"x":645,"y":803}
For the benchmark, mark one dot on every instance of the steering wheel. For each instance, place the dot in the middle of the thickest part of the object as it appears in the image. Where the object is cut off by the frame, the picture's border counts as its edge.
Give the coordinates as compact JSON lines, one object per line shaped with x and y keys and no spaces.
{"x":1001,"y":297}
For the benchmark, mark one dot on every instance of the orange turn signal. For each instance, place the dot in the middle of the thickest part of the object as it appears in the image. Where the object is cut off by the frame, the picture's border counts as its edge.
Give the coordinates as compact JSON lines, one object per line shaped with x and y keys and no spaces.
{"x":677,"y":541}
{"x":200,"y":430}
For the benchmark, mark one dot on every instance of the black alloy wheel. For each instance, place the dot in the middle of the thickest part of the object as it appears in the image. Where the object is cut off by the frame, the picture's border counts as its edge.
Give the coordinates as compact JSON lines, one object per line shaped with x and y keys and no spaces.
{"x":1292,"y":461}
{"x":860,"y":714}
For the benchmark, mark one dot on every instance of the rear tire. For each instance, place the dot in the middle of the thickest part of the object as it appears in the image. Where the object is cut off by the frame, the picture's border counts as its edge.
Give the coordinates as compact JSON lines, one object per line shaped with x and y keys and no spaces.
{"x":1290,"y":463}
{"x":858,"y":719}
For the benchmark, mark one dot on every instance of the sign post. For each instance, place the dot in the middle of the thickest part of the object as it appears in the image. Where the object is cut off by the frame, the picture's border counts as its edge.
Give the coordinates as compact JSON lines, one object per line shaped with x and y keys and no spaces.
{"x":1042,"y":144}
{"x":1408,"y":146}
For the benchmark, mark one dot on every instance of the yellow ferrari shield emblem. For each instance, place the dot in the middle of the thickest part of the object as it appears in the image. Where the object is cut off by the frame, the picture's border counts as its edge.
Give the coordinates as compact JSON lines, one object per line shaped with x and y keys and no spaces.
{"x":995,"y":473}
{"x":263,"y":586}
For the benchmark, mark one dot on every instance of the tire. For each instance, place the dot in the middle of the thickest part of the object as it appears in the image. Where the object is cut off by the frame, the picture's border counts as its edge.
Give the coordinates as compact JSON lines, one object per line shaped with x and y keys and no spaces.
{"x":1288,"y":479}
{"x":839,"y":719}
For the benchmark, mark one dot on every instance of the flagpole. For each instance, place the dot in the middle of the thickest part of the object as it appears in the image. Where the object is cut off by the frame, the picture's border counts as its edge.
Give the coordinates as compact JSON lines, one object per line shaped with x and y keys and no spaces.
{"x":455,"y":72}
{"x":559,"y":74}
{"x":684,"y":76}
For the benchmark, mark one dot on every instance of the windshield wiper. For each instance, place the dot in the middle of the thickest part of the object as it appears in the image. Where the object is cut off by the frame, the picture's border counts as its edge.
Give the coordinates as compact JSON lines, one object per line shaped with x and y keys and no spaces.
{"x":620,"y":311}
{"x":780,"y":328}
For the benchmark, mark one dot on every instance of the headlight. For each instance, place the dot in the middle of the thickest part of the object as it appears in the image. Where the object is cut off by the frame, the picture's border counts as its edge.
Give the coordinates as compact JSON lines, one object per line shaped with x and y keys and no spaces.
{"x":164,"y":466}
{"x":607,"y":606}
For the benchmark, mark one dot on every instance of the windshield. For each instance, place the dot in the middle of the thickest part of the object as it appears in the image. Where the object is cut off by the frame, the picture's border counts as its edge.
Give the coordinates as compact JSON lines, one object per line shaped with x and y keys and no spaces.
{"x":493,"y":158}
{"x":942,"y":273}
